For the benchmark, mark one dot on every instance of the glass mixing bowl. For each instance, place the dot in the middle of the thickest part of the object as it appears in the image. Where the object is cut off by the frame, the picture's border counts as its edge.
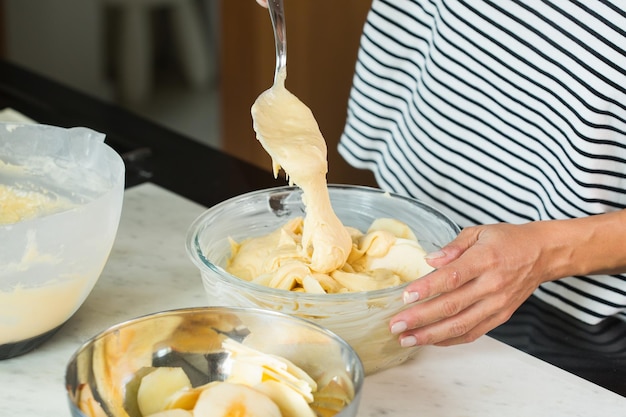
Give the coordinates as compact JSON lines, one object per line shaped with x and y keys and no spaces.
{"x":99,"y":376}
{"x":360,"y":318}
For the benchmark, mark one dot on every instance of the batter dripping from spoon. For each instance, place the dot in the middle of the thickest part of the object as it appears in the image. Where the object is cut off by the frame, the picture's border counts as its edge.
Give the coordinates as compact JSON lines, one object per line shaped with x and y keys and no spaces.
{"x":290,"y":134}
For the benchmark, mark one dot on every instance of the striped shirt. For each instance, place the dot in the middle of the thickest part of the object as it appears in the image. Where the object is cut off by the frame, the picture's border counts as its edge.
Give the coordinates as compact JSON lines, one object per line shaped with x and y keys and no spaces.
{"x":498,"y":111}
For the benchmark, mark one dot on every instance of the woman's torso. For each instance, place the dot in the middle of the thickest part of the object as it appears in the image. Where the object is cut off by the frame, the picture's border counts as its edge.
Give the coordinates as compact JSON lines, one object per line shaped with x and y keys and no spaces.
{"x":498,"y":112}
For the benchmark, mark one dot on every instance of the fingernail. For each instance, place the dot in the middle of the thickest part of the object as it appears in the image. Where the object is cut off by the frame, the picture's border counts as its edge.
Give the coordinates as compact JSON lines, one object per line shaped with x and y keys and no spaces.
{"x":435,"y":255}
{"x":410,"y":297}
{"x":398,"y":327}
{"x":408,"y":341}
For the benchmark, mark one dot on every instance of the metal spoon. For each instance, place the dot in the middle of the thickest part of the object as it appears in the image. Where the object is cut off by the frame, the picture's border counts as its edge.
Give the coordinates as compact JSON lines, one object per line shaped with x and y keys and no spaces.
{"x":286,"y":127}
{"x":277,"y":15}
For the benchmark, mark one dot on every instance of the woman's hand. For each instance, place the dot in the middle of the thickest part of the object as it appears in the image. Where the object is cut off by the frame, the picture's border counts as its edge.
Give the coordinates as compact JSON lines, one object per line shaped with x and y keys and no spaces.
{"x":487,"y":272}
{"x":483,"y":276}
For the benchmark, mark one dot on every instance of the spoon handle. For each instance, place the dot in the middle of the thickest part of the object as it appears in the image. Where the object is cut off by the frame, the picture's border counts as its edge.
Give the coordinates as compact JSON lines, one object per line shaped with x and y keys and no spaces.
{"x":277,"y":15}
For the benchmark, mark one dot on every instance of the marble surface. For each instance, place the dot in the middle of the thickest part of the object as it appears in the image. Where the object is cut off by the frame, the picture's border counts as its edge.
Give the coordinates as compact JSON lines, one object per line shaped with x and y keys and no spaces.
{"x":149,"y":271}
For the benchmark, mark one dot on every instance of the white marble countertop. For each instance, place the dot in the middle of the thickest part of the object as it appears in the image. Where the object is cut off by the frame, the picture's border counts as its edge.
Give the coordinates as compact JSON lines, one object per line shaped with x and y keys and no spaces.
{"x":149,"y":271}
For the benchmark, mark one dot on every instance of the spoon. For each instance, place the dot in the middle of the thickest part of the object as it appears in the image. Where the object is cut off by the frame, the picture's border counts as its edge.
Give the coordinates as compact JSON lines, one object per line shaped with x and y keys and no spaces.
{"x":277,"y":16}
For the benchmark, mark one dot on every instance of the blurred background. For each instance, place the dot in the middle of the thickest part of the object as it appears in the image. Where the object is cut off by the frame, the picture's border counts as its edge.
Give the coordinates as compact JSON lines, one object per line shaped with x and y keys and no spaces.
{"x":194,"y":66}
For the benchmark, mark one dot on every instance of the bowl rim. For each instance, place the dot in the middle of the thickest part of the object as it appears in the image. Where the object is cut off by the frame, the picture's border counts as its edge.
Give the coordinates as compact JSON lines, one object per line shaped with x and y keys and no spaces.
{"x":198,"y":258}
{"x":116,"y":186}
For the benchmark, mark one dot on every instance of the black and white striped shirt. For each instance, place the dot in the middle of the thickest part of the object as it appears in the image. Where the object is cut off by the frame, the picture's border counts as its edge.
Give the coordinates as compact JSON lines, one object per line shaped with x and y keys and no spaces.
{"x":498,"y":111}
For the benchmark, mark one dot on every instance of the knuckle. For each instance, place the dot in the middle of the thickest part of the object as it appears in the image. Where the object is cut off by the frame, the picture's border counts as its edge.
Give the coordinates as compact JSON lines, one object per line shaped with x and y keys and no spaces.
{"x":459,"y":328}
{"x":453,"y":281}
{"x":449,"y":308}
{"x":504,"y":314}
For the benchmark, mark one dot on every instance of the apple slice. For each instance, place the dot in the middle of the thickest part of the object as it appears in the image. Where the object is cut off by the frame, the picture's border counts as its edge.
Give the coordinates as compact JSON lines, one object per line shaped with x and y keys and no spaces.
{"x":158,"y":386}
{"x":290,"y":402}
{"x":228,"y":399}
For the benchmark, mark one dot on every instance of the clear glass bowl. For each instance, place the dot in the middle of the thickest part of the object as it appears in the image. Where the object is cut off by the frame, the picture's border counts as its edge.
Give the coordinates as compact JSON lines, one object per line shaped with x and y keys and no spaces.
{"x":98,"y":374}
{"x":360,"y":318}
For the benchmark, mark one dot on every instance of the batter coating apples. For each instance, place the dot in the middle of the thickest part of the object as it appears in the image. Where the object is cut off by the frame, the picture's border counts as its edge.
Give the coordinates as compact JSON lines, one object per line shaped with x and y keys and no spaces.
{"x":387,"y":255}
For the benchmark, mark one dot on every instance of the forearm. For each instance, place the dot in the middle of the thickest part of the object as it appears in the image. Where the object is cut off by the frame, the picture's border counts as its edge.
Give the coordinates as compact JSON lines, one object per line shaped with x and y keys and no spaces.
{"x":588,"y":245}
